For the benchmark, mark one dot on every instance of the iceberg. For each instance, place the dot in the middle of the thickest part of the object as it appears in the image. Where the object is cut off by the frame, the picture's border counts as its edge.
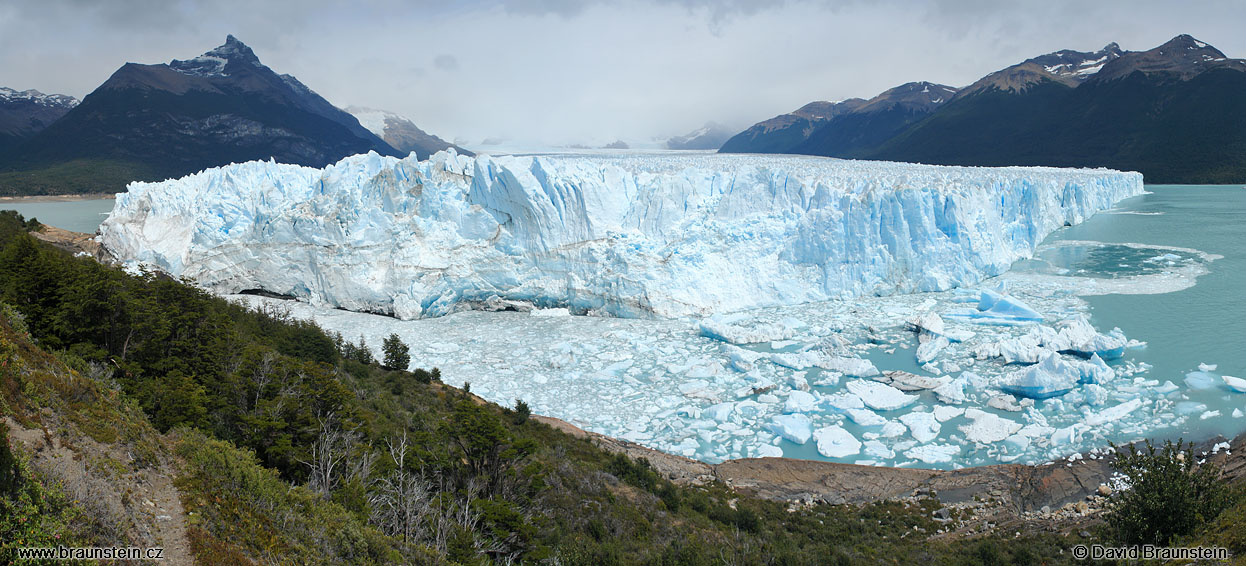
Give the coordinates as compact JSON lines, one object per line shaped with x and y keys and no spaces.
{"x":1052,"y":377}
{"x":923,"y":426}
{"x":800,"y":402}
{"x":998,"y":308}
{"x":794,"y":427}
{"x":1236,"y":384}
{"x":630,"y":236}
{"x":880,"y":396}
{"x":835,"y":442}
{"x":987,"y":428}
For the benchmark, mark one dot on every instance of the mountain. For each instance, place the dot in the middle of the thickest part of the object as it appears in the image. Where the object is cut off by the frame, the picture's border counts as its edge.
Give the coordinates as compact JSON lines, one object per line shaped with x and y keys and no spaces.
{"x":149,"y":122}
{"x":710,"y":136}
{"x":400,"y":133}
{"x":1065,"y":67}
{"x":28,"y":112}
{"x":852,"y":133}
{"x":1176,"y":113}
{"x":784,"y":132}
{"x":842,"y":129}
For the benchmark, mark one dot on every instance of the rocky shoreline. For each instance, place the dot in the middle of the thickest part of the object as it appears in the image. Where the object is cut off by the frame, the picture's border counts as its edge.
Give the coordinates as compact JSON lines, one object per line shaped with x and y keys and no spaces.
{"x":1063,"y":496}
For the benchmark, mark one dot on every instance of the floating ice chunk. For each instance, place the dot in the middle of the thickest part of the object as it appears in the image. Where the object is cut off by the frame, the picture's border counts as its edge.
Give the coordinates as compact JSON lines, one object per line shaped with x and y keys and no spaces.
{"x":852,"y":367}
{"x":1234,"y":383}
{"x":1209,"y":415}
{"x":892,"y":429}
{"x":987,"y":428}
{"x":835,"y":442}
{"x":1185,"y":408}
{"x":906,"y":381}
{"x":728,"y":329}
{"x":1052,"y":377}
{"x":1096,"y":370}
{"x":923,"y":426}
{"x":843,"y":401}
{"x":1166,"y":388}
{"x":1200,"y":380}
{"x":876,"y":449}
{"x":796,"y":360}
{"x":927,"y":350}
{"x":1017,"y":443}
{"x":880,"y":396}
{"x":1004,"y":402}
{"x":1112,"y":414}
{"x":1237,"y":413}
{"x":1207,"y":367}
{"x":943,"y":413}
{"x":1004,"y":306}
{"x":800,"y":402}
{"x":1023,"y":349}
{"x":1071,"y":434}
{"x":953,"y":391}
{"x":1095,"y":395}
{"x":794,"y":427}
{"x":933,"y":453}
{"x":698,"y":389}
{"x":1077,"y":336}
{"x":769,"y":451}
{"x":928,"y":322}
{"x":720,"y":412}
{"x":865,"y":417}
{"x":742,"y":360}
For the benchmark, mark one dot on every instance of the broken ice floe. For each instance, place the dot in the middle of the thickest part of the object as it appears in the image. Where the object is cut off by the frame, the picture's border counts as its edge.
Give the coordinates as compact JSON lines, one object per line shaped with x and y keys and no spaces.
{"x":834,"y":380}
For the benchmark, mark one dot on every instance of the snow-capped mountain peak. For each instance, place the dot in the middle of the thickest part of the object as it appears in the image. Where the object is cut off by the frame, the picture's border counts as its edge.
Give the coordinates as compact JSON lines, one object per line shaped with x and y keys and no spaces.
{"x":36,"y":97}
{"x":215,"y":63}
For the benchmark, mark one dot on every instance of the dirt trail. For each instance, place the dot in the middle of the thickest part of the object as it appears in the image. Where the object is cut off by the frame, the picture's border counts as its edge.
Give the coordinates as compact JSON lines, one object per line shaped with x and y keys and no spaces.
{"x":134,"y":507}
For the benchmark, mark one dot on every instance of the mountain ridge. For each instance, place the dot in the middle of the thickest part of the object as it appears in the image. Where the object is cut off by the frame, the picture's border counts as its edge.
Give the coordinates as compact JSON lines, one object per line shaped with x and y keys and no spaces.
{"x":1173,"y":112}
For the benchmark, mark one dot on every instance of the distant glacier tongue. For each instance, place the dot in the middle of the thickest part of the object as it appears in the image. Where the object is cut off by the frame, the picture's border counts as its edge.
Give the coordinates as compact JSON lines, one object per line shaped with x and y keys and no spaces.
{"x":628,"y":236}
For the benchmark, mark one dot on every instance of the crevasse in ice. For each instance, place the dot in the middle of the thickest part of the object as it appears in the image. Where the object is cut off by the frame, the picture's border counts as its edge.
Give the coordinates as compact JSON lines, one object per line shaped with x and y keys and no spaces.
{"x":628,"y":236}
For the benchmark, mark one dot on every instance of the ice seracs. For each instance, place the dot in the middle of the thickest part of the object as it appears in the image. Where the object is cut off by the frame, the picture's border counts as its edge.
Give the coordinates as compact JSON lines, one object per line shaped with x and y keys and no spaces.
{"x":629,"y":236}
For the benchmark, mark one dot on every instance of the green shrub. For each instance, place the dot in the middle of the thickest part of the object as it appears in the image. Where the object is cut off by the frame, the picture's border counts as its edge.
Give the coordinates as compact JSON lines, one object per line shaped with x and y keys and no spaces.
{"x":1168,"y":494}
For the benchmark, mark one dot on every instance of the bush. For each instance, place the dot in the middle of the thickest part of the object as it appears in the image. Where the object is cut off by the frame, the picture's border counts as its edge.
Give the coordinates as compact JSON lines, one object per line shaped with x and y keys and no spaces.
{"x":1168,"y":494}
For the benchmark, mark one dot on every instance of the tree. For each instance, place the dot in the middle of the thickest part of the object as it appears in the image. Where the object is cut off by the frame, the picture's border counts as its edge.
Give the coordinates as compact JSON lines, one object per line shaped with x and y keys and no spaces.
{"x":397,"y":353}
{"x":1168,"y":494}
{"x":401,"y":499}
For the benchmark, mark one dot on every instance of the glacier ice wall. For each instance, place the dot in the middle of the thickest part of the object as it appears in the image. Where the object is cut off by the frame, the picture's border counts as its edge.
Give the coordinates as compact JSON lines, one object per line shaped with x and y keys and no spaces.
{"x":629,"y":236}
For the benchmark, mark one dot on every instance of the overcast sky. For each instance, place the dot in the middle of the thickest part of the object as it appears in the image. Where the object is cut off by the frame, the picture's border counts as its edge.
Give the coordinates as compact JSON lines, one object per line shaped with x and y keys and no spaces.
{"x":562,"y":71}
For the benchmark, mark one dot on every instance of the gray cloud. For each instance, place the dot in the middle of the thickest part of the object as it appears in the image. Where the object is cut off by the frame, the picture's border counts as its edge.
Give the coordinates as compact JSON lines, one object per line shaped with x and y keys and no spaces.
{"x":590,"y":71}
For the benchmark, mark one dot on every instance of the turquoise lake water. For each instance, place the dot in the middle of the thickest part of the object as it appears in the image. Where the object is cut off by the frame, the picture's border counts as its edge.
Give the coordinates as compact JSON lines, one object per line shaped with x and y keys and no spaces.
{"x":1201,"y":324}
{"x":76,"y":215}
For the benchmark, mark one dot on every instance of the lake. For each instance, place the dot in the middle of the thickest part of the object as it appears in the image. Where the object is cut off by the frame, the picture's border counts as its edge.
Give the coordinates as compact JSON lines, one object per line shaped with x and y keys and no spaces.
{"x":74,"y":215}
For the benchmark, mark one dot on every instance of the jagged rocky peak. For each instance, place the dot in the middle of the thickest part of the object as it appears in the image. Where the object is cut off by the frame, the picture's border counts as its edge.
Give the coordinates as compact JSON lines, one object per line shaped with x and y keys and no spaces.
{"x":1067,"y":67}
{"x":1182,"y":57}
{"x":218,"y":61}
{"x":1077,"y":65}
{"x":918,"y":96}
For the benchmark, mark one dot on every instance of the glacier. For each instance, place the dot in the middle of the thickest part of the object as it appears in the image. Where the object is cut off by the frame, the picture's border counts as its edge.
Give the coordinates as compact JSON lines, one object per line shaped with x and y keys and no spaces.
{"x":725,"y":273}
{"x":629,"y":236}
